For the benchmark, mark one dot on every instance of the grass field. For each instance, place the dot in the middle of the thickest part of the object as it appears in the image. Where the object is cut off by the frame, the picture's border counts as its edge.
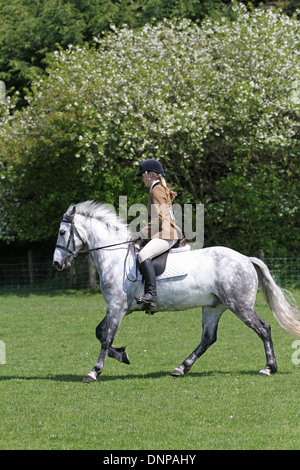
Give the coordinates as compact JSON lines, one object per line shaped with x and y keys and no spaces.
{"x":221,"y":404}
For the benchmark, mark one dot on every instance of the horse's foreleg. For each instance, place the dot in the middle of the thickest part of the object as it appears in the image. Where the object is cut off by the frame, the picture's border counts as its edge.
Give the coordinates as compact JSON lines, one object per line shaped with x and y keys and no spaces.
{"x":210,"y":320}
{"x":98,"y":367}
{"x":116,"y":353}
{"x":119,"y":354}
{"x":106,"y":332}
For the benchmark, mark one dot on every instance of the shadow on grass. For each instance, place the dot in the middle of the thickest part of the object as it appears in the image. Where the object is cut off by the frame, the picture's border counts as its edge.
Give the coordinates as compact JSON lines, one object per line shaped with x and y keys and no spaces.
{"x":150,"y":375}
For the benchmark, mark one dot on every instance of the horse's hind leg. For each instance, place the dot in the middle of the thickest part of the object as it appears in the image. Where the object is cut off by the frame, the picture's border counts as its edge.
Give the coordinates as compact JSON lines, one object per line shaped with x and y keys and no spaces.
{"x":210,"y":320}
{"x":263,"y":330}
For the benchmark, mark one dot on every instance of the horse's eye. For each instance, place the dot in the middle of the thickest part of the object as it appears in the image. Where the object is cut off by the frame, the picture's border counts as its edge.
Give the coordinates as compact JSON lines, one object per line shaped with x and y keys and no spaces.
{"x":62,"y":232}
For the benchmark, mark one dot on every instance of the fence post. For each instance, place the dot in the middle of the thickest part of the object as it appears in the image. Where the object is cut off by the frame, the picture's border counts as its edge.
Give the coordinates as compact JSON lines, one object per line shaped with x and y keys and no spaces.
{"x":92,"y":274}
{"x":30,"y":269}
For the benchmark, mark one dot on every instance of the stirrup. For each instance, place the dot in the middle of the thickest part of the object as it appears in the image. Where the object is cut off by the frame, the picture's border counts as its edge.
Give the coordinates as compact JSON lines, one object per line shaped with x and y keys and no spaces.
{"x":140,"y":300}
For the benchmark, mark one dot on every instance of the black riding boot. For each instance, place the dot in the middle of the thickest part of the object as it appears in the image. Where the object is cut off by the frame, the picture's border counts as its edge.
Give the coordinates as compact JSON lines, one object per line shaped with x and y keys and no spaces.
{"x":150,"y":295}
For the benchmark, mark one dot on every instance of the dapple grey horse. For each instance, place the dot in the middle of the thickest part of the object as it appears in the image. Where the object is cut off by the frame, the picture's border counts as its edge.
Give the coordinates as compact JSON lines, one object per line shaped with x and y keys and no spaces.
{"x":216,"y":279}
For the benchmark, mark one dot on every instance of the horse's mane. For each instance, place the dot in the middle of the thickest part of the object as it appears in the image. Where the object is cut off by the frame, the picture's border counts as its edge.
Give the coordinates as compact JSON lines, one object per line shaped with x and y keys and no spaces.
{"x":105,"y":213}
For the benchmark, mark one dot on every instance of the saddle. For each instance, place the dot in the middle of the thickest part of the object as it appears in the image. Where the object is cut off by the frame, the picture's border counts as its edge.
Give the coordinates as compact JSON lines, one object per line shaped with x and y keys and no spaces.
{"x":160,"y":261}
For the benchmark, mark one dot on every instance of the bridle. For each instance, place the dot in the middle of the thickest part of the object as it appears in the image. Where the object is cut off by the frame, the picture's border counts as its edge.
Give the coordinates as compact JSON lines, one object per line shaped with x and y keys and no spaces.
{"x":69,"y":219}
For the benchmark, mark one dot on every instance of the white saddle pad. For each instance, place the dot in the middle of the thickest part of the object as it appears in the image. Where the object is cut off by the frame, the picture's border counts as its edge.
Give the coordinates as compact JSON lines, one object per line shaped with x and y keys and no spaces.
{"x":175,"y":266}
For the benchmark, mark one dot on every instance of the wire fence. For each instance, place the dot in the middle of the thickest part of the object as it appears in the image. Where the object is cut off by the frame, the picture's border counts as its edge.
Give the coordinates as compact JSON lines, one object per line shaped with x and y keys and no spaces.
{"x":42,"y":277}
{"x":286,"y":271}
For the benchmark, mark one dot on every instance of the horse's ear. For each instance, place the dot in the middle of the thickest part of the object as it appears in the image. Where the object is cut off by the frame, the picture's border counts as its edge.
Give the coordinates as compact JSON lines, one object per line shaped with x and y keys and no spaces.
{"x":69,"y":217}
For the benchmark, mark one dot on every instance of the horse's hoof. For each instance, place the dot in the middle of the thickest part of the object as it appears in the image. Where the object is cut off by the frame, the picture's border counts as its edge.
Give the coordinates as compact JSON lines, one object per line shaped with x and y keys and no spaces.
{"x":91,"y":377}
{"x":125,"y":358}
{"x":177,"y":372}
{"x":264,"y":372}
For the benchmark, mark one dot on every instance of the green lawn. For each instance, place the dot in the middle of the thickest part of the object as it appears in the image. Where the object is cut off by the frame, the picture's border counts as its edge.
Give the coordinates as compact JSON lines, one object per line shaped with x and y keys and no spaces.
{"x":221,"y":404}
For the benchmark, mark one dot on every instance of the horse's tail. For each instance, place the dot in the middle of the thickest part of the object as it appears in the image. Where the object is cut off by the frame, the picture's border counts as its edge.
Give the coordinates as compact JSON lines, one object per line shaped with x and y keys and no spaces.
{"x":286,"y":315}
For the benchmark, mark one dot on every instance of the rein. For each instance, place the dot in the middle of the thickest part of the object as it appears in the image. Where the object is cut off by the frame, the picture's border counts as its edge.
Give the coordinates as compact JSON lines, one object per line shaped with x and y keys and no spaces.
{"x":85,"y":252}
{"x":69,"y":220}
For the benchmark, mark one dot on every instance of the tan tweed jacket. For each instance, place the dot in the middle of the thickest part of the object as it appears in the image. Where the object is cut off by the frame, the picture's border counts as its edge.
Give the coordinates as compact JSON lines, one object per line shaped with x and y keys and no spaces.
{"x":162,"y":223}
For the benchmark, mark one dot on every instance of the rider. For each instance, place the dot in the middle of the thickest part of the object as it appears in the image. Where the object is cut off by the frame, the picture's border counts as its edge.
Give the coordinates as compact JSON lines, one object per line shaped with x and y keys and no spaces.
{"x":161,"y":231}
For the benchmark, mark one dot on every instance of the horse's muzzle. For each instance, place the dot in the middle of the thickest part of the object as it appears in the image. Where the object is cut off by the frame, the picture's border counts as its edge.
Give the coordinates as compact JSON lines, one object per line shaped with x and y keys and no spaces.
{"x":58,"y":266}
{"x":61,"y":262}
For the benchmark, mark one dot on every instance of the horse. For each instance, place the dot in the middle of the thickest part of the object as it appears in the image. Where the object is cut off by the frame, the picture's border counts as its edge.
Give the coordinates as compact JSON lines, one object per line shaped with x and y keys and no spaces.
{"x":216,"y":279}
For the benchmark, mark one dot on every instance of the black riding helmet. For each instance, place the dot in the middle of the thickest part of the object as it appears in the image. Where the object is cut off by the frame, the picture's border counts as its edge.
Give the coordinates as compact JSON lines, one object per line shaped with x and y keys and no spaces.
{"x":151,"y":165}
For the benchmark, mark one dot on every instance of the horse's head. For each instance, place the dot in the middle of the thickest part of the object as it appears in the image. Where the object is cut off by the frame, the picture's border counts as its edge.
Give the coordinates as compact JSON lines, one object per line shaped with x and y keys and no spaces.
{"x":69,"y":241}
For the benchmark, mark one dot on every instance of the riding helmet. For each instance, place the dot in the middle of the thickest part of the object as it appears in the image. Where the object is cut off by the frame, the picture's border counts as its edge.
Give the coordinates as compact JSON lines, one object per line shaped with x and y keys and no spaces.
{"x":151,"y":165}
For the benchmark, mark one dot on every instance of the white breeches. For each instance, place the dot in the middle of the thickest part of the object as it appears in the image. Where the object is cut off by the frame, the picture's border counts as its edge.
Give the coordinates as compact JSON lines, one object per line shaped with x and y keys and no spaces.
{"x":155,"y":247}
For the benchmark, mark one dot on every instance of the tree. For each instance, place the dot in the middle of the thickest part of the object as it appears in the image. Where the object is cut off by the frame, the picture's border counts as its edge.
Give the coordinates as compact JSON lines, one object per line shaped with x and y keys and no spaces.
{"x":215,"y":103}
{"x":30,"y":29}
